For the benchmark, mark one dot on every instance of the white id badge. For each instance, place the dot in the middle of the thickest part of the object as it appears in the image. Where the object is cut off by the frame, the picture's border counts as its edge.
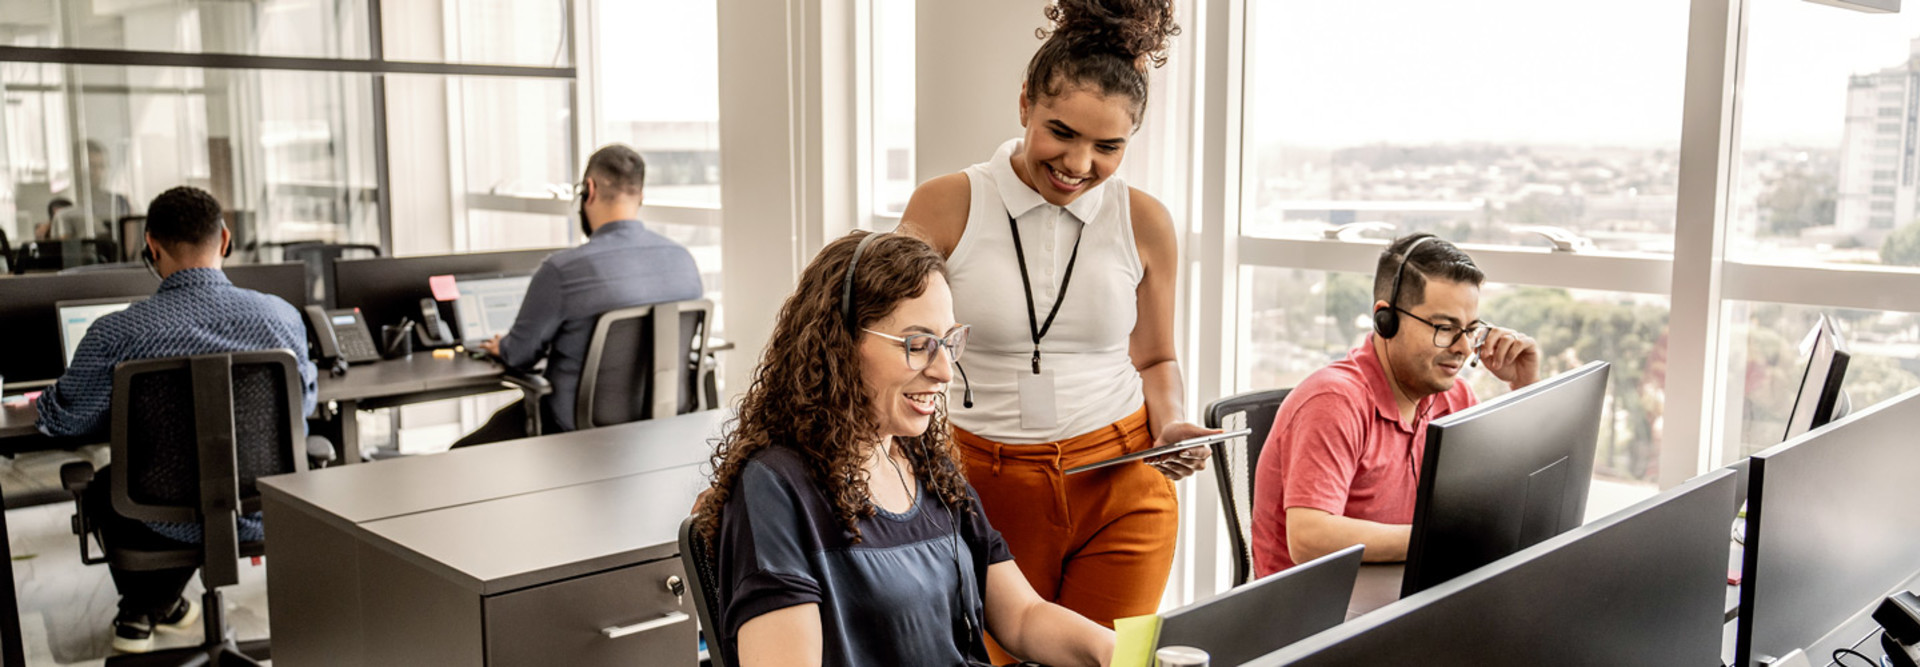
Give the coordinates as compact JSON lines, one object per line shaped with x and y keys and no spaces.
{"x":1036,"y":400}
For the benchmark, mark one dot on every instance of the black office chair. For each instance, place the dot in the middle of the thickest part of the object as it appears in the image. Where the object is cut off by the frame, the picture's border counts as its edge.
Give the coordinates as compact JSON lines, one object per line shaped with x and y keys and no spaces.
{"x":1234,"y":462}
{"x":634,"y":352}
{"x":56,"y":255}
{"x":703,"y":573}
{"x":319,"y":260}
{"x":177,"y":423}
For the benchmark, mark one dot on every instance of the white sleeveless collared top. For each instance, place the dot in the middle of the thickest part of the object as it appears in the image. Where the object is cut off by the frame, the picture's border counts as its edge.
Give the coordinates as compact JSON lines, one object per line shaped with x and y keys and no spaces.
{"x":1095,"y":383}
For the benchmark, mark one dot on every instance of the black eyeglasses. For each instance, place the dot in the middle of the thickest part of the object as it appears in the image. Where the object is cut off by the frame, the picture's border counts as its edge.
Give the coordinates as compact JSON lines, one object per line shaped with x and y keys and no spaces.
{"x":921,"y":347}
{"x":1445,"y":335}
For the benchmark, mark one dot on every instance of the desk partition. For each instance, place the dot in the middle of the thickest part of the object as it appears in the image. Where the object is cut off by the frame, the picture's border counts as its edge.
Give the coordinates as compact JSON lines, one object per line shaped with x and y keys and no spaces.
{"x":31,"y":335}
{"x":386,"y":289}
{"x":1830,"y":532}
{"x":1644,"y":586}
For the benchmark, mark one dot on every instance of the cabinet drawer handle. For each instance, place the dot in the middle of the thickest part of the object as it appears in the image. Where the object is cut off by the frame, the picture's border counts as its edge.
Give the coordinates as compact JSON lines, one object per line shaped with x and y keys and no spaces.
{"x":617,"y":632}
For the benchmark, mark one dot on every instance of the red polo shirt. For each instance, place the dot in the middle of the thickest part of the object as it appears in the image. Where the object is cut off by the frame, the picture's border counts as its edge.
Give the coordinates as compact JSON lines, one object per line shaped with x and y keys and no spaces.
{"x":1338,"y":445}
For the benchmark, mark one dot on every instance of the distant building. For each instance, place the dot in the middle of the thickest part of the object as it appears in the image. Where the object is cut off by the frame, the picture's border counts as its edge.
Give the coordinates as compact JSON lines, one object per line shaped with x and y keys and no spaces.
{"x":1878,"y":182}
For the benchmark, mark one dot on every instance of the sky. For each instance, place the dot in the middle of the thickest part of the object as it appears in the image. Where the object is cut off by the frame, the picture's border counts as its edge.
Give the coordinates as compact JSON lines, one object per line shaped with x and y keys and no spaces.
{"x":1332,"y":74}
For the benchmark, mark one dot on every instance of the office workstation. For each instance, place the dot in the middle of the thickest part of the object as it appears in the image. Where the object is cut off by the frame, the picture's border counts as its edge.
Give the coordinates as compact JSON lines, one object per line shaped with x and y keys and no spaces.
{"x":1661,"y":224}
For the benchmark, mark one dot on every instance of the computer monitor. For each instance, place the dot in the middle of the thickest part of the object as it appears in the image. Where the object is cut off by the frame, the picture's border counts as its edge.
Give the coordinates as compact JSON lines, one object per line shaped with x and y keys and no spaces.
{"x":1504,"y":475}
{"x":487,"y":305}
{"x":76,"y":317}
{"x":1830,"y":532}
{"x":386,"y":289}
{"x":1819,"y":399}
{"x":287,"y":280}
{"x":29,"y":325}
{"x":1268,"y":614}
{"x":1643,"y":586}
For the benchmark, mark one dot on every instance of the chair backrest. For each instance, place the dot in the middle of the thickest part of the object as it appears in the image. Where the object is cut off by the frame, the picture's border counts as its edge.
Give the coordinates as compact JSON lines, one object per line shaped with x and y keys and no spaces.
{"x":179,"y":421}
{"x":1235,"y":461}
{"x":703,"y":575}
{"x":634,"y":352}
{"x":319,"y":260}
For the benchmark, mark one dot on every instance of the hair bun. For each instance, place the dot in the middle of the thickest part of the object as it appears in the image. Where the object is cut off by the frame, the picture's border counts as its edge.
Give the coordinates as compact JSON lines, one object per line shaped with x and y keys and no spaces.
{"x":1136,"y":30}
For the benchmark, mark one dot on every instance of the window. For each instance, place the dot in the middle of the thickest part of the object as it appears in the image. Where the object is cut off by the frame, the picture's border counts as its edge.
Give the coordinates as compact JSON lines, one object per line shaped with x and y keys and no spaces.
{"x":1424,"y":124}
{"x":295,"y":28}
{"x":893,"y":105}
{"x":658,"y":67}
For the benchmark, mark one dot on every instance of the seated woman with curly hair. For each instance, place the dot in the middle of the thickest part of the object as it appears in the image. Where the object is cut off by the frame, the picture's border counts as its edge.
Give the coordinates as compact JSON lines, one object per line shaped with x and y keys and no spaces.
{"x":845,"y":530}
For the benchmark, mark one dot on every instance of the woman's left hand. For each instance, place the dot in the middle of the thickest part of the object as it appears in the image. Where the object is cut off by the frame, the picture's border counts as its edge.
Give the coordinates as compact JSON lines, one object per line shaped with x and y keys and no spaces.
{"x":1178,"y":465}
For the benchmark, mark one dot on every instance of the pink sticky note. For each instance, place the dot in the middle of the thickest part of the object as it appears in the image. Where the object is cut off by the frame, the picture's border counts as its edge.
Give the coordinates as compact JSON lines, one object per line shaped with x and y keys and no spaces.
{"x":444,"y":288}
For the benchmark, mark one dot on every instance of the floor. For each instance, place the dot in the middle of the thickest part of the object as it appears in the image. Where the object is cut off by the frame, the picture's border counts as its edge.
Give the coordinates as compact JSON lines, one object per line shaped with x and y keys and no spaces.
{"x":66,"y":607}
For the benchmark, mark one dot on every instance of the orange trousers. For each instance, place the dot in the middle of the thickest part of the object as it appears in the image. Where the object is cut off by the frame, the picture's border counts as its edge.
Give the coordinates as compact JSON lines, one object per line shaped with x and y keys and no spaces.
{"x":1099,"y":543}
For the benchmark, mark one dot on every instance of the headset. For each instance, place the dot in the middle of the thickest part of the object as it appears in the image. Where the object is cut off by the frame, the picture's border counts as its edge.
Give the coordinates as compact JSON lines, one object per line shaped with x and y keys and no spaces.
{"x":1386,"y":321}
{"x":853,"y":327}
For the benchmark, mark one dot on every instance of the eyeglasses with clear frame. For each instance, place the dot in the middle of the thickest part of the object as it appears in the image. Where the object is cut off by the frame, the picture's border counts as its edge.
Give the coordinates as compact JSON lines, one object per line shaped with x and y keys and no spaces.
{"x":920,"y":348}
{"x":1445,"y":335}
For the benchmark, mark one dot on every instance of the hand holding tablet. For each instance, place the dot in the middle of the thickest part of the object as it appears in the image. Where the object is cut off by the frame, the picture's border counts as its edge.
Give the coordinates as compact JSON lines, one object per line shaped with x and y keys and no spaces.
{"x":1168,"y":448}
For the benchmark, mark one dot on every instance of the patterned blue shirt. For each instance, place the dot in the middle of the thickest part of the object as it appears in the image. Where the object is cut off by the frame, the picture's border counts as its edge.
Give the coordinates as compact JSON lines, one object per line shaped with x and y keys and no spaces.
{"x":623,"y":265}
{"x":195,"y":311}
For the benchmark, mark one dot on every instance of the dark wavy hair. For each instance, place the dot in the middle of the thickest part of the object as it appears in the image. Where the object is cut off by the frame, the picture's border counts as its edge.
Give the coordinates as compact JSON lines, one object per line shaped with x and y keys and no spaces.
{"x":808,"y":395}
{"x":1102,"y":45}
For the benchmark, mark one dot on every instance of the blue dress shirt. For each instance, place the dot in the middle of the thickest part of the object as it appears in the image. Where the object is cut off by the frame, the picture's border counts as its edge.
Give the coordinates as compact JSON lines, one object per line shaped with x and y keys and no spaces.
{"x":195,"y":311}
{"x":621,"y":266}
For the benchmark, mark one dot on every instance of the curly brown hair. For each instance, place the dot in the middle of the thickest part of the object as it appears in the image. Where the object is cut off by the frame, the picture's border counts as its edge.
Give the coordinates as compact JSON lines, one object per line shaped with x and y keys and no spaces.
{"x":1101,"y":45}
{"x":808,"y":394}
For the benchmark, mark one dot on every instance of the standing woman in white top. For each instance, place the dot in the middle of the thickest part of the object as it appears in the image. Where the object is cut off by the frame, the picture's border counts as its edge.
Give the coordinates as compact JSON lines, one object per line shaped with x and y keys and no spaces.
{"x":1067,"y":276}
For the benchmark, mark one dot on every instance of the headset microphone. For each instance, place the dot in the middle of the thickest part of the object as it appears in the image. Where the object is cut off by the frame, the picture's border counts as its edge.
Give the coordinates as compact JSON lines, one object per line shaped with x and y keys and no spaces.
{"x":966,"y":398}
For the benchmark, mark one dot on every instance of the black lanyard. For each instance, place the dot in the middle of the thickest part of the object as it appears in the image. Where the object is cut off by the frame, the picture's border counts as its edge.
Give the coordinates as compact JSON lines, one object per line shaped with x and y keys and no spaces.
{"x":1033,"y":321}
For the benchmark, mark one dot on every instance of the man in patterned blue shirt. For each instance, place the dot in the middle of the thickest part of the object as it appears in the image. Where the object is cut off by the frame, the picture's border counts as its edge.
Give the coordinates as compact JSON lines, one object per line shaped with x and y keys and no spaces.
{"x":196,"y":310}
{"x":623,"y":264}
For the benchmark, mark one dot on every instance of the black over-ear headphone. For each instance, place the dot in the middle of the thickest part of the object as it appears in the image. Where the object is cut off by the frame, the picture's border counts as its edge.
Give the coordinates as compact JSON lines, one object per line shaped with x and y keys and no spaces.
{"x":1386,"y":321}
{"x":853,"y":327}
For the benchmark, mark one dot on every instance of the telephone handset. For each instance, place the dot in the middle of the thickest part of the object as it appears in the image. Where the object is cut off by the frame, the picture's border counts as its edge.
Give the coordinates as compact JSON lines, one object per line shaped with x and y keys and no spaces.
{"x":341,"y":334}
{"x":433,"y":329}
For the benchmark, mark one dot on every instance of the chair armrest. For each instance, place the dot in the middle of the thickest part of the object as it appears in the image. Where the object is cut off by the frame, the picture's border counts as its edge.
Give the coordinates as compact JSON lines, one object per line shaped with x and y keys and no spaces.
{"x":75,"y":476}
{"x":533,"y":385}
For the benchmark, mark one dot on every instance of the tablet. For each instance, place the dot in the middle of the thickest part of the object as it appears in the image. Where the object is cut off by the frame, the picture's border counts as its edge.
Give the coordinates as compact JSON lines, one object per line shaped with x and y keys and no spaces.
{"x":1168,"y":448}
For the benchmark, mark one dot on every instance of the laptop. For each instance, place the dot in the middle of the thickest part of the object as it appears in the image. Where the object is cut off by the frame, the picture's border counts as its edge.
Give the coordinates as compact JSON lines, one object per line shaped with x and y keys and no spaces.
{"x":1267,"y":614}
{"x":77,"y":316}
{"x":488,"y":304}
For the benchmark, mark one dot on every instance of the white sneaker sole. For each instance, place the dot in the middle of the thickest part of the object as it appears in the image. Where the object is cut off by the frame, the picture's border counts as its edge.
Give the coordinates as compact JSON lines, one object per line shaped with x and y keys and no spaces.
{"x":187,"y":623}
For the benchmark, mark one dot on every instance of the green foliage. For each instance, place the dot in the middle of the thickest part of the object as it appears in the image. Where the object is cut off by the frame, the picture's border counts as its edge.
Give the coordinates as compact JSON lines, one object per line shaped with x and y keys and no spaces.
{"x":1902,"y":246}
{"x":1798,"y":199}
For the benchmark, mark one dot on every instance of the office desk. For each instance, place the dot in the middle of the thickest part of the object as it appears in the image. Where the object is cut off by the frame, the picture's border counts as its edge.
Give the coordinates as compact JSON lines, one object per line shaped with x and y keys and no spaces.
{"x":395,"y":382}
{"x":526,"y":552}
{"x":1377,"y":586}
{"x":16,"y":422}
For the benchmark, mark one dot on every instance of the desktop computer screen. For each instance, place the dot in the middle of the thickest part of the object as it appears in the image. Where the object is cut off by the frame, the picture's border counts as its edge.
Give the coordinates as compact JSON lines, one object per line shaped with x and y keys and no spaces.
{"x":1829,"y":533}
{"x":1504,"y":475}
{"x":1819,"y":397}
{"x":1267,"y":614}
{"x":488,"y":305}
{"x":76,"y":317}
{"x":1643,"y":586}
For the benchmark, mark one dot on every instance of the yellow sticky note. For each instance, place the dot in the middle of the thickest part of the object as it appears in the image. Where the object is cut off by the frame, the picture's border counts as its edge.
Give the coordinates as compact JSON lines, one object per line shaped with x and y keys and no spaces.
{"x":1133,"y":640}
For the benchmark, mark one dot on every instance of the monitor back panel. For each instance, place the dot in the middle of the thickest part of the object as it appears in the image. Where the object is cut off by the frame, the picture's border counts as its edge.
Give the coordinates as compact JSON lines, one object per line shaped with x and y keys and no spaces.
{"x":1267,"y":614}
{"x":1643,"y":586}
{"x":1505,"y":475}
{"x":287,"y":280}
{"x":1831,"y":531}
{"x":386,"y":289}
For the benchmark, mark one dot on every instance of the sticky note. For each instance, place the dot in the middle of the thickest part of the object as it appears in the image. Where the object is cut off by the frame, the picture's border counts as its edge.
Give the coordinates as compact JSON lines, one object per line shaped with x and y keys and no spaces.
{"x":444,"y":288}
{"x":443,"y":354}
{"x":1133,"y":640}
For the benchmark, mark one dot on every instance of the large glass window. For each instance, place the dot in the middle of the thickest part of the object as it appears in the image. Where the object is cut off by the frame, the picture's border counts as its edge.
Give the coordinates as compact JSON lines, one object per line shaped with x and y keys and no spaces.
{"x":1478,"y":121}
{"x":893,"y":105}
{"x":1765,"y":363}
{"x":659,"y":64}
{"x":299,"y":28}
{"x":289,"y":153}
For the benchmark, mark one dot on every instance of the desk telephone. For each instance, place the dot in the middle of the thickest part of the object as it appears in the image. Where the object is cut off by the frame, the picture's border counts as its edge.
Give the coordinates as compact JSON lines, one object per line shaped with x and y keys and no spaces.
{"x":341,"y":334}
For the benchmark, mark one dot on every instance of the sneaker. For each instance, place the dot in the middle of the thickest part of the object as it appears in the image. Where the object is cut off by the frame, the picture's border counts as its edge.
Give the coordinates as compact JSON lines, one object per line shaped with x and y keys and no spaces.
{"x":133,"y":633}
{"x":182,"y":617}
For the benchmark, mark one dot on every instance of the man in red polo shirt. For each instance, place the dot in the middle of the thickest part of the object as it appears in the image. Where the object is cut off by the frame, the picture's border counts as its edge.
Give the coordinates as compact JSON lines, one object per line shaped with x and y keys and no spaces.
{"x":1341,"y":464}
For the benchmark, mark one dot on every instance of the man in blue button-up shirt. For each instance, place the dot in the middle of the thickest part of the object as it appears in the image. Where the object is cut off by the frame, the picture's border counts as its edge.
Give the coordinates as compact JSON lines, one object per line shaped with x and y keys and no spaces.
{"x":622,"y":265}
{"x":196,"y":310}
